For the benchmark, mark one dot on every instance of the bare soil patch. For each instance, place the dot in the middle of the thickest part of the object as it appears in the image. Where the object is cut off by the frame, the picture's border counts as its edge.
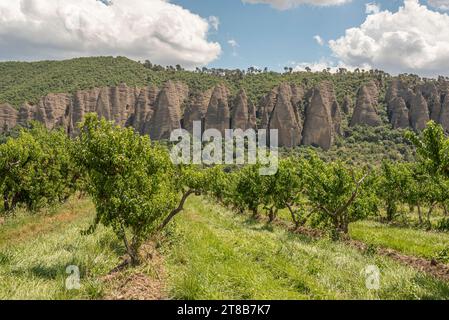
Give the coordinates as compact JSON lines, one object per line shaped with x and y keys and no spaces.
{"x":433,"y":267}
{"x":145,"y":282}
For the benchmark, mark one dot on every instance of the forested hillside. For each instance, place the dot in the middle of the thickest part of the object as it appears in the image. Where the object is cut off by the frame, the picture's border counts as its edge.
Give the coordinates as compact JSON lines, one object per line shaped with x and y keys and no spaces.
{"x":366,"y":110}
{"x":29,"y":81}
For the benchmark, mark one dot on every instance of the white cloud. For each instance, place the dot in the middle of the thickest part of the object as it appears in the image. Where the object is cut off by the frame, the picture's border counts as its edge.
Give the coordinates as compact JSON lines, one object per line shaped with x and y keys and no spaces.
{"x":234,"y":45}
{"x":372,"y":8}
{"x":319,"y":40}
{"x":414,"y":39}
{"x":321,"y":65}
{"x":288,"y":4}
{"x":141,"y":29}
{"x":440,"y":4}
{"x":214,"y":22}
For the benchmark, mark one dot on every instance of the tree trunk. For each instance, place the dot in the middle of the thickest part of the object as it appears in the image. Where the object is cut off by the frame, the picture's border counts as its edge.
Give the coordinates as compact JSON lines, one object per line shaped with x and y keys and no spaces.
{"x":429,"y":214}
{"x":5,"y":202}
{"x":271,"y":214}
{"x":446,"y":213}
{"x":255,"y":213}
{"x":292,"y":213}
{"x":132,"y":249}
{"x":391,"y":211}
{"x":419,"y":214}
{"x":177,"y":210}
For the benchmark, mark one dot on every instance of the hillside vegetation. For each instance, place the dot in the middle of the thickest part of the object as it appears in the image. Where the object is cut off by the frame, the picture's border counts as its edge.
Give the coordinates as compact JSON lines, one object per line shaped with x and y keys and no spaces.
{"x":28,"y":81}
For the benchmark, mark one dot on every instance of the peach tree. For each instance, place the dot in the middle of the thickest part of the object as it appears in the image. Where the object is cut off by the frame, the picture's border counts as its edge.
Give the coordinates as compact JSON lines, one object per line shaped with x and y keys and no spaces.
{"x":134,"y":185}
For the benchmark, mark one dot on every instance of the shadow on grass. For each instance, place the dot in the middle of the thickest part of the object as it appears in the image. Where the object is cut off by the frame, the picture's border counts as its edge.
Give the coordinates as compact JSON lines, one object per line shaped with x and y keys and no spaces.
{"x":40,"y":271}
{"x":437,"y":288}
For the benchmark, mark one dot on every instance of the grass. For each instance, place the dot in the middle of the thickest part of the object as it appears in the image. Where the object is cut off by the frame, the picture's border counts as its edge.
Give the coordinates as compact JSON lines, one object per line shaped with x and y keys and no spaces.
{"x":215,"y":254}
{"x":35,"y":252}
{"x":209,"y":253}
{"x":415,"y":242}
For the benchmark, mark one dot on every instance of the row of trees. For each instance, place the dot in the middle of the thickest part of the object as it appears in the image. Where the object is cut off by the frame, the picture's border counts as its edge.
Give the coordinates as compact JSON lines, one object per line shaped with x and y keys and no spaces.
{"x":137,"y":190}
{"x":334,"y":194}
{"x":36,"y":169}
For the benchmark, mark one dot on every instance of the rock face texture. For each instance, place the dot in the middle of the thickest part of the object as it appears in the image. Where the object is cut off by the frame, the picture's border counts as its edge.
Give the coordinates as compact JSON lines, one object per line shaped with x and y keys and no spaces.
{"x":301,"y":116}
{"x":243,"y":112}
{"x":347,"y":105}
{"x":196,"y":109}
{"x":444,"y":114}
{"x":322,"y":117}
{"x":8,"y":117}
{"x":399,"y":117}
{"x":279,"y":111}
{"x":412,"y":106}
{"x":419,"y":111}
{"x":218,"y":113}
{"x":168,"y":110}
{"x":365,"y":112}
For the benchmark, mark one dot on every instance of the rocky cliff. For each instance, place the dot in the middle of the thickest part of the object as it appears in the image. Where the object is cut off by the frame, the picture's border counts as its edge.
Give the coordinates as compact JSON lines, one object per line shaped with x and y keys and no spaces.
{"x":365,"y":112}
{"x":279,"y":111}
{"x":322,"y":117}
{"x":413,"y":105}
{"x":302,"y":116}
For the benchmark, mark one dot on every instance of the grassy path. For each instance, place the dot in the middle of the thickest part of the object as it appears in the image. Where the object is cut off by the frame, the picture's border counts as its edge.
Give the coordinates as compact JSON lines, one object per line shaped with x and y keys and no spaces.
{"x":409,"y":241}
{"x":209,"y":253}
{"x":35,"y":252}
{"x":215,"y":254}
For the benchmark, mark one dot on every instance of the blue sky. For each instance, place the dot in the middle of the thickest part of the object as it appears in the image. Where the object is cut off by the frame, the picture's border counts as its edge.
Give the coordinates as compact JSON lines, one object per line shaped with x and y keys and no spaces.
{"x":397,"y":36}
{"x":273,"y":38}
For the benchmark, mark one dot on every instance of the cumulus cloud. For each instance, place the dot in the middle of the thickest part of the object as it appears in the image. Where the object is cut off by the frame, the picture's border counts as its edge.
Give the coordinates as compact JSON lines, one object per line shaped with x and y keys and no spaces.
{"x":440,"y":4}
{"x":372,"y":8}
{"x":288,"y":4}
{"x":319,"y":40}
{"x":140,"y":29}
{"x":414,"y":39}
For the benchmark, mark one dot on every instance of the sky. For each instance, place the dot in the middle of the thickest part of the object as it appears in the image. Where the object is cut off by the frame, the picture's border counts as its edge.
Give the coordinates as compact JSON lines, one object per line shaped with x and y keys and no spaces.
{"x":396,"y":36}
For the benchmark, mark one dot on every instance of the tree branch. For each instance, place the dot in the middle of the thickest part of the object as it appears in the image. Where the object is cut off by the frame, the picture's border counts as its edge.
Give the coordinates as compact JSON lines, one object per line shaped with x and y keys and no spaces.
{"x":353,"y":196}
{"x":177,"y":210}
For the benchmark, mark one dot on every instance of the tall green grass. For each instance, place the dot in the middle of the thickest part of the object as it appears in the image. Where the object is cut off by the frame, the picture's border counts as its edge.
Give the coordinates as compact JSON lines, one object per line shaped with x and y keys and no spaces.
{"x":35,"y":266}
{"x":216,"y":254}
{"x":415,"y":242}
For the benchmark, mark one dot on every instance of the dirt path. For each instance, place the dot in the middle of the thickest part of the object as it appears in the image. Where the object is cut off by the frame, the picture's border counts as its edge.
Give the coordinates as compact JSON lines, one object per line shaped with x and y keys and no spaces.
{"x":433,"y":267}
{"x":146,"y":282}
{"x":43,"y":224}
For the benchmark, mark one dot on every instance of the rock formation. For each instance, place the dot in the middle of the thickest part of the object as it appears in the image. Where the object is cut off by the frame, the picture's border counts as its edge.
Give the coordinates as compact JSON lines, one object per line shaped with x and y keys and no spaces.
{"x":279,"y":111}
{"x":444,"y":115}
{"x":301,"y":116}
{"x":196,"y":109}
{"x":243,"y":112}
{"x":218,"y":114}
{"x":8,"y":117}
{"x":321,"y":117}
{"x":399,"y":117}
{"x":365,"y":112}
{"x":423,"y":102}
{"x":347,"y":105}
{"x":168,"y":110}
{"x":419,"y":112}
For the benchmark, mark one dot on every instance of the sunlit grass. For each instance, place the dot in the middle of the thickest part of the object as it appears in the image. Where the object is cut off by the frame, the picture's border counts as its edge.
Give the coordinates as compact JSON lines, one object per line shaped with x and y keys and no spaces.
{"x":216,"y":254}
{"x":35,"y":253}
{"x":409,"y":241}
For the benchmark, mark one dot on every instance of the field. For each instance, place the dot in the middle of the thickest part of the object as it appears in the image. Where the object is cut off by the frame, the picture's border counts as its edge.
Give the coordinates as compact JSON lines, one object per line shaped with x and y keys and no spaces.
{"x":108,"y":215}
{"x":208,"y":252}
